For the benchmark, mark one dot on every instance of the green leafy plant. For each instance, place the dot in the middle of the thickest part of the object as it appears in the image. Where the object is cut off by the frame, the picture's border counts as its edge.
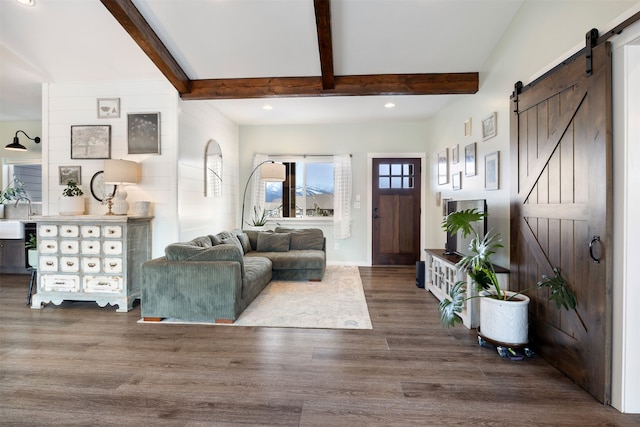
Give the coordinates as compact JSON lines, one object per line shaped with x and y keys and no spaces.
{"x":480,"y":268}
{"x":31,"y":242}
{"x":72,"y":190}
{"x":14,"y":191}
{"x":260,"y":217}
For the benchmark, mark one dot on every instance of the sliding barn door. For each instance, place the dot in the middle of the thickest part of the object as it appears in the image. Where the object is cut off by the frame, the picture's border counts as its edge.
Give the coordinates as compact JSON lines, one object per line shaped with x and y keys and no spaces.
{"x":561,"y":152}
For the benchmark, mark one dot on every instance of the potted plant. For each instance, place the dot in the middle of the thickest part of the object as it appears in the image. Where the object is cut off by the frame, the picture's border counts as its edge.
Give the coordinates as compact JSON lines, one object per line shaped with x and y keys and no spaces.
{"x":72,"y":200}
{"x":503,"y":314}
{"x":32,"y":250}
{"x":14,"y":191}
{"x":260,"y":217}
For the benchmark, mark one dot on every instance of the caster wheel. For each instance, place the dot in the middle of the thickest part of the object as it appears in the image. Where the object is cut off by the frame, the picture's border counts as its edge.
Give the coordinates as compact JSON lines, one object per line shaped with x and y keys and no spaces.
{"x":502,"y":351}
{"x":528,"y":352}
{"x":482,"y":342}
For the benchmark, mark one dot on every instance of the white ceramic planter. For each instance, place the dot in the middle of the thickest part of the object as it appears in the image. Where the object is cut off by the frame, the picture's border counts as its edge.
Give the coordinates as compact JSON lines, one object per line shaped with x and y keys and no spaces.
{"x":32,"y":257}
{"x":71,"y":205}
{"x":505,"y":322}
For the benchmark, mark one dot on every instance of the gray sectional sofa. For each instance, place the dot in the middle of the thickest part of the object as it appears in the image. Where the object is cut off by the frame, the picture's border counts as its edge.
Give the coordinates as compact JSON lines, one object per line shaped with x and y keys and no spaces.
{"x":214,"y":278}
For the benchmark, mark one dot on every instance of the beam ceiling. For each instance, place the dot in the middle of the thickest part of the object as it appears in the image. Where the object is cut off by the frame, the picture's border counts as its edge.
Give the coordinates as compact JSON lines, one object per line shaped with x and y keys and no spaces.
{"x":125,"y":12}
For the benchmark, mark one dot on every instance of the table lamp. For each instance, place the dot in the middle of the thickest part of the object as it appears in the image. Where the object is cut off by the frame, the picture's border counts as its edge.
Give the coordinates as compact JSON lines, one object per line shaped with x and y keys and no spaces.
{"x":121,"y":173}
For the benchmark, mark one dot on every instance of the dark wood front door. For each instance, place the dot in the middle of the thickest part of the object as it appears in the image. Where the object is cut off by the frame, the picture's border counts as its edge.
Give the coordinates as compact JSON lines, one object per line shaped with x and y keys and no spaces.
{"x":561,"y":152}
{"x":396,"y":211}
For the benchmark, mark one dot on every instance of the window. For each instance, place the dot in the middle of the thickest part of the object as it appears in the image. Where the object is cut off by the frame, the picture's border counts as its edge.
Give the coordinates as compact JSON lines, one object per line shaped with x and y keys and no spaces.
{"x":30,"y":174}
{"x":395,"y":175}
{"x":307,"y":191}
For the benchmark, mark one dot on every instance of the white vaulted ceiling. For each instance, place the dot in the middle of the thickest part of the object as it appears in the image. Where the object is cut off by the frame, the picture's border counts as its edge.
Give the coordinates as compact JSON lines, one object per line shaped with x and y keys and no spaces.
{"x":79,"y":40}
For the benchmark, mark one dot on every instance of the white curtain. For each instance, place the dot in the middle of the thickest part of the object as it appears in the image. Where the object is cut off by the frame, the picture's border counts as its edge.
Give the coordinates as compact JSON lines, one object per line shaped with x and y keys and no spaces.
{"x":258,"y":189}
{"x":342,"y":196}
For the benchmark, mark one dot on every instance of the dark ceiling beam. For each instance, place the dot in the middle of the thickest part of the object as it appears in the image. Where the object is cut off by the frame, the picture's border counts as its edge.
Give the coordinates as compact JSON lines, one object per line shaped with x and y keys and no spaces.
{"x":125,"y":12}
{"x":365,"y":85}
{"x":323,"y":26}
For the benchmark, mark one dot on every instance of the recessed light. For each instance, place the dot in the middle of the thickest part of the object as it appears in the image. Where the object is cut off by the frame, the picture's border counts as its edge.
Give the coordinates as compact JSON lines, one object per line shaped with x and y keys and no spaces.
{"x":389,"y":105}
{"x":267,"y":107}
{"x":27,"y":2}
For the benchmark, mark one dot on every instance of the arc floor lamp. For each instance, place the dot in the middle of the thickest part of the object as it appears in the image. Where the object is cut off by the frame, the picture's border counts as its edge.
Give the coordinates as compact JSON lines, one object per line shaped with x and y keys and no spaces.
{"x":270,"y":171}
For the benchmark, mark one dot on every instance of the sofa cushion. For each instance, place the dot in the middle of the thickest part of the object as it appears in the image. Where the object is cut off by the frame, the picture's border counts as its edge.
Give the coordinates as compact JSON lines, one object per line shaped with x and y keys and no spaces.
{"x":293,"y":260}
{"x":273,"y":242}
{"x":215,"y":240}
{"x":304,"y":238}
{"x":190,"y":252}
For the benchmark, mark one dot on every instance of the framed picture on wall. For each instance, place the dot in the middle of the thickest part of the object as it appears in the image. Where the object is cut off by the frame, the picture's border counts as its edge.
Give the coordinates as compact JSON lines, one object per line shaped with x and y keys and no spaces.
{"x":489,"y":126}
{"x":443,"y":167}
{"x":492,"y":171}
{"x":455,"y":156}
{"x":108,"y":108}
{"x":91,"y":142}
{"x":66,"y":174}
{"x":456,"y":181}
{"x":143,"y":133}
{"x":470,"y":160}
{"x":467,"y":127}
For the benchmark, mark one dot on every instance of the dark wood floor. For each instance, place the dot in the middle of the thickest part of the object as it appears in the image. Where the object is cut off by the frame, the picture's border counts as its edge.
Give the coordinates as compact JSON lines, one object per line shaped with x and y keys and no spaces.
{"x":78,"y":363}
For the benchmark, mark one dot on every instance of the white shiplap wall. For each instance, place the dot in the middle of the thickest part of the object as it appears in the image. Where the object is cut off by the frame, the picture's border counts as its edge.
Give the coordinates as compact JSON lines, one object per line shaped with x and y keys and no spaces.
{"x":67,"y":104}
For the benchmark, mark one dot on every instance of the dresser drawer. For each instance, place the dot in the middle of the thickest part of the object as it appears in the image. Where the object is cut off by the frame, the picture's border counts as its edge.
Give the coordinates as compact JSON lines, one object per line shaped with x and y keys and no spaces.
{"x":90,"y":247}
{"x":69,"y":230}
{"x":112,"y":265}
{"x":111,"y":284}
{"x":91,"y":264}
{"x":48,"y":263}
{"x":113,"y":231}
{"x":59,"y":283}
{"x":47,"y":230}
{"x":90,"y":231}
{"x":69,"y":246}
{"x":112,"y":247}
{"x":48,"y":246}
{"x":69,"y":264}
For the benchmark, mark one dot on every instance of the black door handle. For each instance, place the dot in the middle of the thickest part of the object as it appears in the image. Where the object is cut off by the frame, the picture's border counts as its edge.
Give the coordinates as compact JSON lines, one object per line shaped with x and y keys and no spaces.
{"x":593,"y":241}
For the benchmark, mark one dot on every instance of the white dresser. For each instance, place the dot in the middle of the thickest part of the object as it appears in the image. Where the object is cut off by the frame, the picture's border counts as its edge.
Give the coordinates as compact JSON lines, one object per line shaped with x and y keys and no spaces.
{"x":91,"y":258}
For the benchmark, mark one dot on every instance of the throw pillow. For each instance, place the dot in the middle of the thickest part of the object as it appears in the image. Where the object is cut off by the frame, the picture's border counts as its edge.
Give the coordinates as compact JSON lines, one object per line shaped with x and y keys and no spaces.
{"x":215,"y":240}
{"x":233,"y":240}
{"x":244,"y":241}
{"x":273,"y":242}
{"x":305,"y":238}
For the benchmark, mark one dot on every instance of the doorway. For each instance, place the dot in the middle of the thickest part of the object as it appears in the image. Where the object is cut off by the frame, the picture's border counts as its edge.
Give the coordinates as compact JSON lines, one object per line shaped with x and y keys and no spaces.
{"x":396,"y":207}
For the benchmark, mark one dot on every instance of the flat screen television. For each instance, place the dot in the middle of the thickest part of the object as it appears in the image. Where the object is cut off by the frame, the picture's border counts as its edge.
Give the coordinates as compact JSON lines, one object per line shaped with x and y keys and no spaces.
{"x":456,"y":243}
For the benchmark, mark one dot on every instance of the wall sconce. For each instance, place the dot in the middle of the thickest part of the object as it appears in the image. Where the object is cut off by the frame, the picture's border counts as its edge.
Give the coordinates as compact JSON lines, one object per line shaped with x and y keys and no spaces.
{"x":121,"y":172}
{"x":270,"y":171}
{"x":16,"y":146}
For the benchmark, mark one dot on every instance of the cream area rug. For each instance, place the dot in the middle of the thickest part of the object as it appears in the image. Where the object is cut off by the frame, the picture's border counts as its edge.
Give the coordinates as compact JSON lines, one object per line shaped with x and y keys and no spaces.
{"x":337,"y":302}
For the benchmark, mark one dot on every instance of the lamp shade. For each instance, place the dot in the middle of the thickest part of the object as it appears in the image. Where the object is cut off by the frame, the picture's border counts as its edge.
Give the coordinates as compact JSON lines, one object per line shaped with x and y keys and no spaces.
{"x":121,"y":172}
{"x":273,"y":172}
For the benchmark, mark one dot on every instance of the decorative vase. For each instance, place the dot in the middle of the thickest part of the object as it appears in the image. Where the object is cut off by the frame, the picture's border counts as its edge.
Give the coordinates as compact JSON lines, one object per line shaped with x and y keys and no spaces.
{"x":71,"y":205}
{"x":505,"y":321}
{"x":32,"y":257}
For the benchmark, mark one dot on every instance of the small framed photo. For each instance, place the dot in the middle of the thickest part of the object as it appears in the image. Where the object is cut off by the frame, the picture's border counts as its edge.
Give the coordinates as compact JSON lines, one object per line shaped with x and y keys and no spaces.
{"x":108,"y":108}
{"x":445,"y":200}
{"x":492,"y":171}
{"x":456,"y":180}
{"x":470,"y":160}
{"x":489,"y":129}
{"x":467,"y":127}
{"x":91,"y":142}
{"x":443,"y":167}
{"x":438,"y":198}
{"x":66,"y":174}
{"x":143,"y":133}
{"x":455,"y":156}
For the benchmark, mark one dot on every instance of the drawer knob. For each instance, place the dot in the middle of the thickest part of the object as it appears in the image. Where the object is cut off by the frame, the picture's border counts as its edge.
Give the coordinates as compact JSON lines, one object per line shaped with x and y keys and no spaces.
{"x":49,"y":246}
{"x":70,"y":263}
{"x":92,"y":264}
{"x":112,"y":264}
{"x":49,"y":263}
